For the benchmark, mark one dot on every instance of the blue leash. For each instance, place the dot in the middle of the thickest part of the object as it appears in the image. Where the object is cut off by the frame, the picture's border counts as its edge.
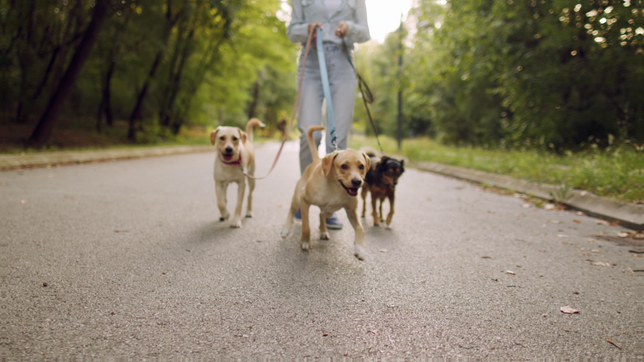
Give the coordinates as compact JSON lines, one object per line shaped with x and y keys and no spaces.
{"x":326,"y":88}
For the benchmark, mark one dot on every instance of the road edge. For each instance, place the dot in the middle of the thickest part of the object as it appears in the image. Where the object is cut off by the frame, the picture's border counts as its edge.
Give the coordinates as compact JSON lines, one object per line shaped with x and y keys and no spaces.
{"x":45,"y":159}
{"x":627,"y":214}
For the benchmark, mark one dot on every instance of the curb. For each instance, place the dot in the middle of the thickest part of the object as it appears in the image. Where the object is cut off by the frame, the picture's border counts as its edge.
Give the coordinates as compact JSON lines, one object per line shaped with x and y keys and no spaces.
{"x":9,"y":162}
{"x":627,"y":214}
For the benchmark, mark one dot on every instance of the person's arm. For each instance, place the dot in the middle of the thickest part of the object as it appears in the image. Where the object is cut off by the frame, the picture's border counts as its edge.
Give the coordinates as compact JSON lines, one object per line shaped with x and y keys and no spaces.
{"x":358,"y":30}
{"x":297,"y":29}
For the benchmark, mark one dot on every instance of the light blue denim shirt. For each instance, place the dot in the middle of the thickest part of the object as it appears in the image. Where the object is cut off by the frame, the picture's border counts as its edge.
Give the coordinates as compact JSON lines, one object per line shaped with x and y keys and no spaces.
{"x":354,"y":12}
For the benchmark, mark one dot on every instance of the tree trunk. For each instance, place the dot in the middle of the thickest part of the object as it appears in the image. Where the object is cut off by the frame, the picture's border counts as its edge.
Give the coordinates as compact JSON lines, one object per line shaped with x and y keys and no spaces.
{"x":176,"y":82}
{"x":25,"y":59}
{"x":43,"y":130}
{"x":252,"y":108}
{"x":136,"y":112}
{"x":106,"y":102}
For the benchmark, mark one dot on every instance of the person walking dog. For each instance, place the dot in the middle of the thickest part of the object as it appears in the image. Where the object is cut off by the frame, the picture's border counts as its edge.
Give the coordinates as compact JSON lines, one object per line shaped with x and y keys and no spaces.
{"x":338,"y":19}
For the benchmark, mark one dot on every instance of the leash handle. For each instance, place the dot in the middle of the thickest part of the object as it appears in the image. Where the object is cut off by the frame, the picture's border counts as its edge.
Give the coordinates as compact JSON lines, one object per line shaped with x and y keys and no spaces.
{"x":326,"y":88}
{"x":367,"y":96}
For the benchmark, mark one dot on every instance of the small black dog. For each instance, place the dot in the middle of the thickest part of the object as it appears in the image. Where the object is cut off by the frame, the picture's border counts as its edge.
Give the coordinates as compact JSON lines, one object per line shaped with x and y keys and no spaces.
{"x":381,"y":181}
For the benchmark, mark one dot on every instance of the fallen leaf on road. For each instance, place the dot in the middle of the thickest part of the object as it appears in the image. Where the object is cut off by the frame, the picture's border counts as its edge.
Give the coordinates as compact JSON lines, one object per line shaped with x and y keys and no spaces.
{"x":549,"y":206}
{"x":599,"y":263}
{"x":22,"y":201}
{"x":486,"y":257}
{"x":568,"y":310}
{"x":602,"y":222}
{"x":509,"y":272}
{"x":577,"y":221}
{"x":554,"y":221}
{"x":383,"y":250}
{"x":562,"y":236}
{"x":610,"y":340}
{"x":375,"y":332}
{"x":526,"y":205}
{"x":622,"y":235}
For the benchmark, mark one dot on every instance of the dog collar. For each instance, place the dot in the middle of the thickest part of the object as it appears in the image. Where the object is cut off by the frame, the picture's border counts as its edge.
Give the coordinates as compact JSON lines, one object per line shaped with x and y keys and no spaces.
{"x":238,"y":162}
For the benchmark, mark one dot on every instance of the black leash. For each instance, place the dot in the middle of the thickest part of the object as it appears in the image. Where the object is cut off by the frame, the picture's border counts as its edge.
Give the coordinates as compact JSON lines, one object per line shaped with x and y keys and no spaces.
{"x":367,"y":96}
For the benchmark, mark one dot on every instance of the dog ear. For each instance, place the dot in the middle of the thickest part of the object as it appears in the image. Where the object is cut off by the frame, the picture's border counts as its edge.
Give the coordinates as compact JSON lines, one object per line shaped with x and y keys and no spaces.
{"x":402,"y":166}
{"x":213,"y":135}
{"x":367,"y":161}
{"x":243,"y":135}
{"x":327,"y":162}
{"x":382,"y":165}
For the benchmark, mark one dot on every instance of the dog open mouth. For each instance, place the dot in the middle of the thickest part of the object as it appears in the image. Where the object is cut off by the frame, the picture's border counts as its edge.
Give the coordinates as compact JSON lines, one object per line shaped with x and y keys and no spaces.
{"x":352,"y":191}
{"x":227,"y":157}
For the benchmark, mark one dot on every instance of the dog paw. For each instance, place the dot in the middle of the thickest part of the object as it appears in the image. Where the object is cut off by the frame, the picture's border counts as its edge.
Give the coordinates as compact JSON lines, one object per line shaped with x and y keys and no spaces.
{"x":249,"y":215}
{"x":360,"y":253}
{"x":325,"y":236}
{"x":389,"y":226}
{"x":224,"y":217}
{"x":305,"y":246}
{"x":285,"y":233}
{"x":235,"y":224}
{"x":376,"y":224}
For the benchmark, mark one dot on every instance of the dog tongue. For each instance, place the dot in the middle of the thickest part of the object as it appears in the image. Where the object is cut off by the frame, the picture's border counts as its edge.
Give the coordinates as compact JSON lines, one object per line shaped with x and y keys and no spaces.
{"x":228,"y":157}
{"x":352,"y":191}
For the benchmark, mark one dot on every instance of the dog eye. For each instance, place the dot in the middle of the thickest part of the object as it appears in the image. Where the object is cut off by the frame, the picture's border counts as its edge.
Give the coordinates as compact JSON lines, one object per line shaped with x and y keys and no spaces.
{"x":223,"y":138}
{"x":345,"y":167}
{"x":235,"y":138}
{"x":361,"y":167}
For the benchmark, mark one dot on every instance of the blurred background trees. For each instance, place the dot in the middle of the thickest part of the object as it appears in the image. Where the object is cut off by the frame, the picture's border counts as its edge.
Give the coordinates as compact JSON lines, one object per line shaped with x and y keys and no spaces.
{"x":156,"y":65}
{"x":557,"y":74}
{"x":550,"y":74}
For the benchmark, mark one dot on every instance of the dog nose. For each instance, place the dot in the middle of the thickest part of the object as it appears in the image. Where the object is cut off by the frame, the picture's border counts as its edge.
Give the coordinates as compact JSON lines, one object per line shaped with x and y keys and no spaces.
{"x":229,"y":149}
{"x":356,"y":183}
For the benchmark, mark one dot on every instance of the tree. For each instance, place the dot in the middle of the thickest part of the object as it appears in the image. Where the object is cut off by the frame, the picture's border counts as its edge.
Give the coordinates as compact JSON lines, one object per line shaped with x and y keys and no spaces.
{"x":43,"y":130}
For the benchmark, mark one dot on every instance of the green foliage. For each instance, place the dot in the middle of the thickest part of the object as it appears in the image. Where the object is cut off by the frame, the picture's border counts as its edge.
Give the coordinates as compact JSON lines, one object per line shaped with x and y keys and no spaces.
{"x":552,"y":74}
{"x":198,"y":62}
{"x":613,"y":172}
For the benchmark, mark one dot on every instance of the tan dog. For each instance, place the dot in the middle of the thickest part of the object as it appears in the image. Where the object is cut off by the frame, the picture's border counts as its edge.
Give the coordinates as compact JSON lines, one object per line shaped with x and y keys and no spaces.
{"x":330,"y":183}
{"x":235,"y":155}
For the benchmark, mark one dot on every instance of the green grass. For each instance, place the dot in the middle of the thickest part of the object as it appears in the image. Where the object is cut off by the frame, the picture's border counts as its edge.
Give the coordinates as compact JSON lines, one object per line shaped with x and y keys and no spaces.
{"x":617,"y":173}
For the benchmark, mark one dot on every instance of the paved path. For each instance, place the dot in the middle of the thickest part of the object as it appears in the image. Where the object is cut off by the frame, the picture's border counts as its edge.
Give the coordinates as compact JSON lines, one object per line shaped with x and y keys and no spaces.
{"x":137,"y":266}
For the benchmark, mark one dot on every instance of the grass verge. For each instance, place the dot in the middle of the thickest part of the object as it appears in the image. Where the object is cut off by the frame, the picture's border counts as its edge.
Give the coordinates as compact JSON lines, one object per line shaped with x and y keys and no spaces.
{"x":616,"y":172}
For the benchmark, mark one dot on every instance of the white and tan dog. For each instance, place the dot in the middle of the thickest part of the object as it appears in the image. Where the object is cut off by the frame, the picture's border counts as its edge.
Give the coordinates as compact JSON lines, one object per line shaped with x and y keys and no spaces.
{"x":330,"y":183}
{"x":235,"y":155}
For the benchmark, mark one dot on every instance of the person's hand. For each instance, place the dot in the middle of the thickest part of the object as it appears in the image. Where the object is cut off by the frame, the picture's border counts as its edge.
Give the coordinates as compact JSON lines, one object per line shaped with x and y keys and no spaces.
{"x":342,"y":29}
{"x":312,"y":26}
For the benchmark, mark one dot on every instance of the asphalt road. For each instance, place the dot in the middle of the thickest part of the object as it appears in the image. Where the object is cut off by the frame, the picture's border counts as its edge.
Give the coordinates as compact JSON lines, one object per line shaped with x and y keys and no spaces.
{"x":127,"y":260}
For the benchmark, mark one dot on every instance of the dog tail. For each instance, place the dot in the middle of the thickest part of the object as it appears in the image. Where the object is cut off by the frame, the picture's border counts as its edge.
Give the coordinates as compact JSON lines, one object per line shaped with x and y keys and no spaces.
{"x":370,"y":151}
{"x":309,"y":135}
{"x":249,"y":127}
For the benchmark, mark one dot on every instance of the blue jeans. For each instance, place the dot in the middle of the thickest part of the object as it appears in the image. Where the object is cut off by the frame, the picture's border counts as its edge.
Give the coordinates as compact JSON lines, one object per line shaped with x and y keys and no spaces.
{"x":342,"y":80}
